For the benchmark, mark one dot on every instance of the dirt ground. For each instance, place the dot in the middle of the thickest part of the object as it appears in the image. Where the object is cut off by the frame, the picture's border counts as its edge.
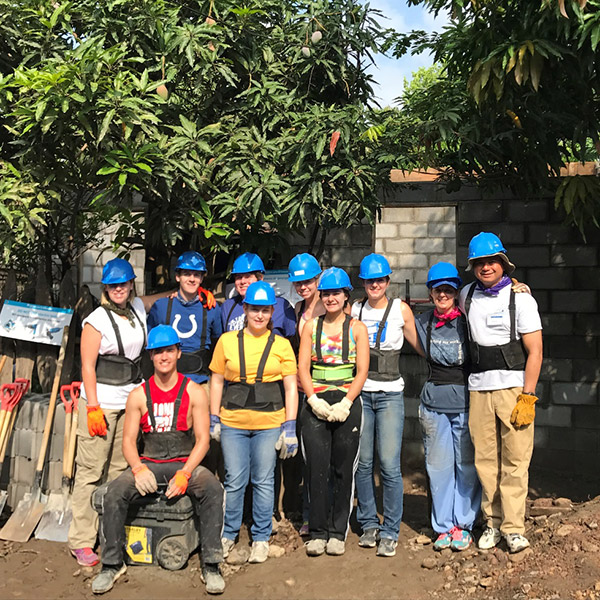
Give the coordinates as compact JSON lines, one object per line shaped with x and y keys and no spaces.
{"x":564,"y":561}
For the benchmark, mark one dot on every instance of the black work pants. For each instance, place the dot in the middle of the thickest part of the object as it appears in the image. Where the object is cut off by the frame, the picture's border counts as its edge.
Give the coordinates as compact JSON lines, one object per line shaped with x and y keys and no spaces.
{"x":331,"y":454}
{"x":204,"y":490}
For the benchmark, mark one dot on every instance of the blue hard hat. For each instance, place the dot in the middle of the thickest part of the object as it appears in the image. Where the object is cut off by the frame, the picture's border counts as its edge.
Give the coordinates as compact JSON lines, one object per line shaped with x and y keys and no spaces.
{"x":443,"y":273}
{"x":260,"y":293}
{"x":302,"y":267}
{"x":374,"y":266}
{"x":488,"y":244}
{"x":248,"y":263}
{"x":192,"y":261}
{"x":161,"y":337}
{"x":334,"y":278}
{"x":117,"y":270}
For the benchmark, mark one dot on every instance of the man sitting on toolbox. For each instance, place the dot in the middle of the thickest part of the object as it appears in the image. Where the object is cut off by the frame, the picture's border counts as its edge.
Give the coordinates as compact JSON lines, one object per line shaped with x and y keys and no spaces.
{"x":172,"y":413}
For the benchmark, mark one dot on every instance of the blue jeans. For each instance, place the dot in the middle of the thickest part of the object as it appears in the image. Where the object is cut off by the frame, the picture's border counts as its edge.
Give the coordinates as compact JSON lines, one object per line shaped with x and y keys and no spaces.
{"x":450,"y":463}
{"x":383,"y":425}
{"x":249,"y":455}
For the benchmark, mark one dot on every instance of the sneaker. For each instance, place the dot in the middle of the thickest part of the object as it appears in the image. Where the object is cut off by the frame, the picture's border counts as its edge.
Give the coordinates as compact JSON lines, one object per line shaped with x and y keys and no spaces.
{"x":387,"y":547}
{"x":444,"y":540}
{"x":516,"y":542}
{"x":369,"y":538}
{"x":461,"y":539}
{"x":304,"y":529}
{"x":227,"y":546}
{"x":315,"y":547}
{"x":213,"y":580}
{"x":259,"y":552}
{"x":104,"y":581}
{"x":335,"y":547}
{"x":489,"y":538}
{"x":86,"y":557}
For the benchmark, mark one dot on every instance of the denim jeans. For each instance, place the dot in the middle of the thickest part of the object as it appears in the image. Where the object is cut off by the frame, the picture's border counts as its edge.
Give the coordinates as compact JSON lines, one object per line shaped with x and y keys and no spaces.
{"x":383,"y":425}
{"x":249,"y":455}
{"x":450,"y":463}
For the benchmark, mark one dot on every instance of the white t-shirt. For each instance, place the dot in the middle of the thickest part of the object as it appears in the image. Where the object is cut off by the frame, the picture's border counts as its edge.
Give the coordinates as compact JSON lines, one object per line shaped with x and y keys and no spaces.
{"x":489,"y":323}
{"x":392,"y":338}
{"x":114,"y":396}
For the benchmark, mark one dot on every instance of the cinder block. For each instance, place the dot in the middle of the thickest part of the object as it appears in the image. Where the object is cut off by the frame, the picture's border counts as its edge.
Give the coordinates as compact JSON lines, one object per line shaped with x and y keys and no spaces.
{"x":480,"y":211}
{"x":526,"y":210}
{"x":586,"y":370}
{"x":23,"y":470}
{"x":557,"y":323}
{"x":587,"y":324}
{"x":587,"y":417}
{"x":386,"y":230}
{"x":397,"y":214}
{"x":550,"y":279}
{"x":542,"y":297}
{"x":574,"y":393}
{"x":411,"y":230}
{"x":540,"y":437}
{"x":450,"y":248}
{"x":56,"y":447}
{"x":575,"y":256}
{"x":399,"y":274}
{"x":556,"y":369}
{"x":433,"y":214}
{"x":563,"y":346}
{"x":529,"y":256}
{"x":574,"y":301}
{"x":412,"y":261}
{"x":22,"y":442}
{"x":555,"y":416}
{"x":53,"y":476}
{"x":429,"y":245}
{"x":586,"y":279}
{"x":509,"y":233}
{"x":445,"y":230}
{"x":379,"y":247}
{"x":401,"y":245}
{"x":547,"y":233}
{"x":16,"y":491}
{"x":573,"y":440}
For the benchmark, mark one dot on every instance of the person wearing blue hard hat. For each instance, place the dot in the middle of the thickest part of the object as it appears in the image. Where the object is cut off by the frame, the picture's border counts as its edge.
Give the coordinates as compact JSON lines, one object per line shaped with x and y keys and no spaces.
{"x":247,"y":269}
{"x":505,"y":335}
{"x":444,"y":413}
{"x":165,"y":438}
{"x":389,"y":322}
{"x":333,"y":363}
{"x":198,"y":327}
{"x":254,"y":417}
{"x":112,"y":341}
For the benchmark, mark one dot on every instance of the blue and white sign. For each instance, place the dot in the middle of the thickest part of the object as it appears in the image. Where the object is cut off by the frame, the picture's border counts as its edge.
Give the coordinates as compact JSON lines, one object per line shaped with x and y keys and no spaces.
{"x":33,"y":322}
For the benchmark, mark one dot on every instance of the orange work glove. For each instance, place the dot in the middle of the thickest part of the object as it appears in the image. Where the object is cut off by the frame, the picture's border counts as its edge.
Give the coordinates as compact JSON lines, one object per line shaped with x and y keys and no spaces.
{"x":95,"y":421}
{"x":207,"y":298}
{"x":524,"y":411}
{"x":178,"y":484}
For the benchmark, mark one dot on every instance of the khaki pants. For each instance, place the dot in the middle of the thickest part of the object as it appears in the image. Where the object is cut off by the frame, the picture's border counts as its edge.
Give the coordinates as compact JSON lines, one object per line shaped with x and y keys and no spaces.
{"x":502,"y":456}
{"x":99,"y":459}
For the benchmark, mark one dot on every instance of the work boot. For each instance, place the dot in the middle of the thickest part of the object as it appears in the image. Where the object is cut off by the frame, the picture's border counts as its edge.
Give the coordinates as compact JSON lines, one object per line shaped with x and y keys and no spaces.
{"x":387,"y":547}
{"x":227,"y":546}
{"x":516,"y":542}
{"x":86,"y":557}
{"x":369,"y":538}
{"x":212,"y":578}
{"x":315,"y":547}
{"x":104,"y":581}
{"x":489,"y":538}
{"x":259,"y":552}
{"x":335,"y":547}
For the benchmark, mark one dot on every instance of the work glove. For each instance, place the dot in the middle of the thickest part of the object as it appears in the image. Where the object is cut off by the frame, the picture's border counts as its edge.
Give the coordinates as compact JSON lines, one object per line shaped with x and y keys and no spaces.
{"x":340,"y":411}
{"x":145,"y":482}
{"x":320,"y":408}
{"x":215,"y":428}
{"x":95,"y":421}
{"x":520,"y":288}
{"x":524,"y":411}
{"x":287,"y":444}
{"x":207,"y":298}
{"x":178,"y":484}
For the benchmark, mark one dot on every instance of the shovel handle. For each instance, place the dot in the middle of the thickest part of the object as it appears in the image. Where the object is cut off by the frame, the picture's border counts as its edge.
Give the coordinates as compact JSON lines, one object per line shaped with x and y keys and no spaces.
{"x":75,"y":393}
{"x":68,"y":403}
{"x":72,"y":443}
{"x":10,"y":419}
{"x":3,"y":362}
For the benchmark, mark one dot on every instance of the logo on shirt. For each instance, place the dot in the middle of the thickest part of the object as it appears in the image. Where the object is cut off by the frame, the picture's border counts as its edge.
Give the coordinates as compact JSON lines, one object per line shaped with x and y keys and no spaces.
{"x":236,"y":323}
{"x":190,"y":332}
{"x":163,"y":414}
{"x":373,"y":328}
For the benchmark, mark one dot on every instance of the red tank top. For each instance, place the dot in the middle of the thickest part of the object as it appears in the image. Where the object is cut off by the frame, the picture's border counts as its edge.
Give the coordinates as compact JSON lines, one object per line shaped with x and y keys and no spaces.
{"x":163,"y":404}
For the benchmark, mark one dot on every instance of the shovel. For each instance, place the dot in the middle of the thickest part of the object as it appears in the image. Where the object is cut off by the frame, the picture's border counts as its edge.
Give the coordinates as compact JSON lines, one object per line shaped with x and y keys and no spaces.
{"x":8,"y":392}
{"x":21,"y":386}
{"x":75,"y":393}
{"x":56,"y":519}
{"x":26,"y":516}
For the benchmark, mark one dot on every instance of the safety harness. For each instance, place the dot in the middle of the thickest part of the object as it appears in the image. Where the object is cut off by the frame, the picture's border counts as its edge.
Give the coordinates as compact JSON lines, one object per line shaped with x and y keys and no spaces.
{"x":333,"y":375}
{"x":117,"y":369}
{"x":510,"y":356}
{"x":259,"y":396}
{"x":443,"y":374}
{"x":193,"y":362}
{"x":165,"y":445}
{"x":384,"y":365}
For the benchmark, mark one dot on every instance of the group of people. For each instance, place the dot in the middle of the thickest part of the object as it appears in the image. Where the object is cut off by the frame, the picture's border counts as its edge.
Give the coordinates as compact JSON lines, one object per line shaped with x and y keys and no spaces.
{"x":263,"y":378}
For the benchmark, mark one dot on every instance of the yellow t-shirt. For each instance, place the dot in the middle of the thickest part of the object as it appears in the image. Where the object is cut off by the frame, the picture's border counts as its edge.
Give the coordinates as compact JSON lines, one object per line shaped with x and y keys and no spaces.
{"x":280,"y":363}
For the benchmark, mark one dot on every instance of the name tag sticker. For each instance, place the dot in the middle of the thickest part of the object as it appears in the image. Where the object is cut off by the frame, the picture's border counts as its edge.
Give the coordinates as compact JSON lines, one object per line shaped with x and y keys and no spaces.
{"x":495,"y":320}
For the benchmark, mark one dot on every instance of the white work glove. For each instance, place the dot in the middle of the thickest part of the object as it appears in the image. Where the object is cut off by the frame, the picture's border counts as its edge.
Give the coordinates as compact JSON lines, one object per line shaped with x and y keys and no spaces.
{"x":320,"y":408}
{"x":287,"y":444}
{"x":340,"y":410}
{"x":145,"y":482}
{"x":215,"y":428}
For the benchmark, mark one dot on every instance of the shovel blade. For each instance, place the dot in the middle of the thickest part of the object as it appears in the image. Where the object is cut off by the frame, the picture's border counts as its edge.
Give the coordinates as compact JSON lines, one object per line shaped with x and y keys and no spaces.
{"x":22,"y":522}
{"x":3,"y":498}
{"x":56,"y":519}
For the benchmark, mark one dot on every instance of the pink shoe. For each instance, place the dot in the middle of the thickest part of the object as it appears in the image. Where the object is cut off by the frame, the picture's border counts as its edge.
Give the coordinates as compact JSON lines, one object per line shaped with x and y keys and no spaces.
{"x":86,"y":557}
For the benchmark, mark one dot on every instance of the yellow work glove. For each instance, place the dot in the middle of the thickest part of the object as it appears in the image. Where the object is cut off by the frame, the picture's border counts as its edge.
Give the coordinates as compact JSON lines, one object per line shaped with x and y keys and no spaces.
{"x":524,"y":411}
{"x":95,"y":421}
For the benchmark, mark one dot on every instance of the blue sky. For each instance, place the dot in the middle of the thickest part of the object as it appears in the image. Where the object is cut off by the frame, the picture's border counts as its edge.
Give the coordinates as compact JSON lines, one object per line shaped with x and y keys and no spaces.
{"x":390,"y":73}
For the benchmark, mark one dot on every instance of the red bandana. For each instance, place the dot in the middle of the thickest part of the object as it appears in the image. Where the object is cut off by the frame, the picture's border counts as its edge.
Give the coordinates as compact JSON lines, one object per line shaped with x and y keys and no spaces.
{"x":447,"y":317}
